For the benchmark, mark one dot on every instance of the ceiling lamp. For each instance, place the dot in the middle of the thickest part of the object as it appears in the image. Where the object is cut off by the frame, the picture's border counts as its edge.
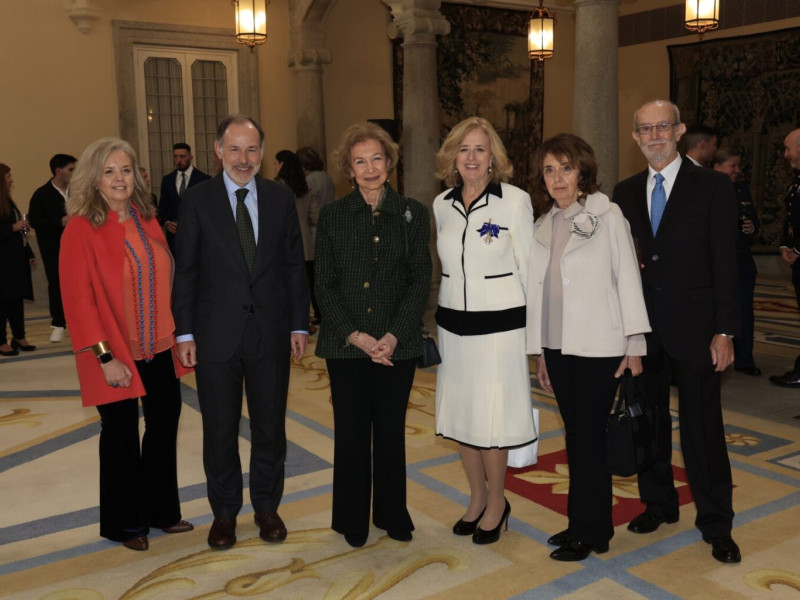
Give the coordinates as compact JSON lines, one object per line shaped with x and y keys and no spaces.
{"x":702,"y":15}
{"x":540,"y":34}
{"x":251,"y":21}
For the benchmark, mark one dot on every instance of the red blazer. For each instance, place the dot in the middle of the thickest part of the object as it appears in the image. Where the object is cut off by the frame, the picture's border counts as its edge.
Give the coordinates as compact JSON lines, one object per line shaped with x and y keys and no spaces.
{"x":91,"y":266}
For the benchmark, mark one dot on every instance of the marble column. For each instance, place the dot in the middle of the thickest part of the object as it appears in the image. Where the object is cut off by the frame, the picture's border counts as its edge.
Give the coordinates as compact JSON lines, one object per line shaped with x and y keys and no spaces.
{"x":307,"y":55}
{"x":595,"y":107}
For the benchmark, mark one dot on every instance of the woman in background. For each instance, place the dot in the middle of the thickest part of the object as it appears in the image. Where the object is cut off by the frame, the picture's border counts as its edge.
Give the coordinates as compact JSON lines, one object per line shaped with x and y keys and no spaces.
{"x":586,"y":322}
{"x":16,"y":260}
{"x":289,"y":172}
{"x":483,"y":394}
{"x":116,"y":279}
{"x":373,"y":279}
{"x":727,"y":161}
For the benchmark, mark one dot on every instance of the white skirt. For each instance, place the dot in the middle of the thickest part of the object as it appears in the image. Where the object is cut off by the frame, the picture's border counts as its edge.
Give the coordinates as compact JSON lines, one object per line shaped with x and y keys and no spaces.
{"x":483,"y":390}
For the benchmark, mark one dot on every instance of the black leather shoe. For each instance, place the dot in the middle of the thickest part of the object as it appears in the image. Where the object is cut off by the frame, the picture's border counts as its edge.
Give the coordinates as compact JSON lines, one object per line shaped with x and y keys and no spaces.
{"x":24,"y":347}
{"x":355,"y":540}
{"x":222,"y":534}
{"x":559,"y":539}
{"x":400,"y":535}
{"x":574,"y":551}
{"x":11,"y":352}
{"x":271,"y":527}
{"x":788,"y":379}
{"x":482,"y":536}
{"x":647,"y":522}
{"x":752,"y":371}
{"x":724,"y":549}
{"x":463,"y":527}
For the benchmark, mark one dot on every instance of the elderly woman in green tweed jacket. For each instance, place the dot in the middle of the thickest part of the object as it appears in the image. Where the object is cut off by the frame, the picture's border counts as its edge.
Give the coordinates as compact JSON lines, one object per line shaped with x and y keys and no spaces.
{"x":373,"y":274}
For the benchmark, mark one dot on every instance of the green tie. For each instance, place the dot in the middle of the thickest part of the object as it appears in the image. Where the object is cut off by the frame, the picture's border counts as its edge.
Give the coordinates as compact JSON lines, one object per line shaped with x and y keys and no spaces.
{"x":245,"y":228}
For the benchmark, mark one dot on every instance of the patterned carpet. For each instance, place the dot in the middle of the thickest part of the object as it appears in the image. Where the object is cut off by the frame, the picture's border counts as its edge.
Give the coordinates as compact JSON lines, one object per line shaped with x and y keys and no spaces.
{"x":50,"y":548}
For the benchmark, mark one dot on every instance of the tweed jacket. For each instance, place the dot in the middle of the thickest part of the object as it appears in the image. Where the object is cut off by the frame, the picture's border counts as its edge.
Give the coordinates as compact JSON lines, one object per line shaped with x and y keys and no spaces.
{"x":484,"y":254}
{"x":604,"y":313}
{"x":372,"y":273}
{"x":91,"y":265}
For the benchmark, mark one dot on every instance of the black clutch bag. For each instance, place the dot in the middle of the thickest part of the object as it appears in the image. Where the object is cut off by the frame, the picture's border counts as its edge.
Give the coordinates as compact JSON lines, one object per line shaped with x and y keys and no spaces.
{"x":631,"y":445}
{"x":430,"y":353}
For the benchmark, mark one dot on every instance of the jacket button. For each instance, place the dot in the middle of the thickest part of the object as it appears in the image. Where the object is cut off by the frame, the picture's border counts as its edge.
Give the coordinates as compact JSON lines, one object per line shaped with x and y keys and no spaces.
{"x":366,"y":284}
{"x":376,"y":239}
{"x":377,"y":213}
{"x":655,"y":257}
{"x":369,"y":311}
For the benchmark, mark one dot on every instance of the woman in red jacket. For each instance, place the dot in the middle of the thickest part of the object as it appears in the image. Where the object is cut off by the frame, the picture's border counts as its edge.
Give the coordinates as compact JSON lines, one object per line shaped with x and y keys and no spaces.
{"x":116,"y":278}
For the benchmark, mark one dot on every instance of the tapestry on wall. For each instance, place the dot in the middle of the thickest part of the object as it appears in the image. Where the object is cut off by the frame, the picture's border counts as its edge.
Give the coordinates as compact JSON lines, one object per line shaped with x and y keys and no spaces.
{"x":484,"y":70}
{"x":747,"y":89}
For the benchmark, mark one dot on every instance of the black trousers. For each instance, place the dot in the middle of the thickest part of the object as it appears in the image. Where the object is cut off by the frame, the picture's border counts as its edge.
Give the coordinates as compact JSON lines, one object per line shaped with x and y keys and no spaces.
{"x":11,"y":311}
{"x":584,"y":389}
{"x":219,"y":390}
{"x":702,"y":435}
{"x":369,"y":415}
{"x":796,"y":284}
{"x":310,"y":273}
{"x":139,"y":485}
{"x":50,"y":260}
{"x":743,"y":343}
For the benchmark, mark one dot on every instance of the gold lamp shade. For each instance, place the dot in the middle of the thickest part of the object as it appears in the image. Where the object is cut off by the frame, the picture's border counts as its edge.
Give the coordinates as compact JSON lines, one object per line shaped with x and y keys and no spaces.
{"x":702,"y":15}
{"x":251,"y":21}
{"x":540,"y":34}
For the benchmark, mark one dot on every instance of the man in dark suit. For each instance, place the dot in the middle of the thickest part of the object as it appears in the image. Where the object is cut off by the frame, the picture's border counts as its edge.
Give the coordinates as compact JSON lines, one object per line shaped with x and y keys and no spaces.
{"x":684,"y":221}
{"x":48,"y":216}
{"x":174,"y":185}
{"x":241,"y":307}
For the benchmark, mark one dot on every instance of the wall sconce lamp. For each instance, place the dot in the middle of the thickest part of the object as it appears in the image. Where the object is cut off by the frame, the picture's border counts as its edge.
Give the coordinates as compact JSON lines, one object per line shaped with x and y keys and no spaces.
{"x":702,"y":15}
{"x":540,"y":33}
{"x":251,"y":21}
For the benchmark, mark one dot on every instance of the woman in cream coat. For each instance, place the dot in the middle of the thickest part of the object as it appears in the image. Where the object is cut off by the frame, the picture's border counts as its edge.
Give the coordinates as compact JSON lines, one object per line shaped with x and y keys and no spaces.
{"x":586,"y":320}
{"x":483,"y":399}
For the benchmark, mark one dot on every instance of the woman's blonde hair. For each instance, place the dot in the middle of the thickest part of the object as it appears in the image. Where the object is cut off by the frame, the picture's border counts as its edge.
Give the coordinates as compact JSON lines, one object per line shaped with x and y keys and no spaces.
{"x":501,"y":166}
{"x":361,"y":132}
{"x":85,"y":199}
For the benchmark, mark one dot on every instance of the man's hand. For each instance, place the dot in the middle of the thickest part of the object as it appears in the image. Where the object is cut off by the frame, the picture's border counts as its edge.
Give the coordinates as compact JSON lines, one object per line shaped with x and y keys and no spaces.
{"x":721,"y":352}
{"x":171,"y":226}
{"x":187,"y":353}
{"x":298,"y":343}
{"x":788,"y":255}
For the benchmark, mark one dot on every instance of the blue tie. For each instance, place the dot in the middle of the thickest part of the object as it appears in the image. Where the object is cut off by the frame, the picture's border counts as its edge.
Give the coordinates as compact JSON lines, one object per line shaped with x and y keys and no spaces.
{"x":657,"y":202}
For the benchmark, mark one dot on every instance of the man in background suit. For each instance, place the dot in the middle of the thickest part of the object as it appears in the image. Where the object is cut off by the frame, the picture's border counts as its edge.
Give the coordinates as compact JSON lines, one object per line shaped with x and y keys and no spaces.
{"x":48,"y":216}
{"x":700,"y":143}
{"x":174,"y":185}
{"x":241,"y":307}
{"x":684,"y":221}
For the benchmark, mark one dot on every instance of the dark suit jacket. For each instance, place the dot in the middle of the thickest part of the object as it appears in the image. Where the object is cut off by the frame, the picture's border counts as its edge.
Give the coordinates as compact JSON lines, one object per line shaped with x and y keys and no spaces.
{"x":47,"y":208}
{"x":169,"y":203}
{"x":214,"y":296}
{"x":689,"y":270}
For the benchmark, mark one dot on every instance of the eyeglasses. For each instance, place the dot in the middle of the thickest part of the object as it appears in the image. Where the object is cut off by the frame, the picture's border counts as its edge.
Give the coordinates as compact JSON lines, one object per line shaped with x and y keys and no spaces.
{"x":660,"y":127}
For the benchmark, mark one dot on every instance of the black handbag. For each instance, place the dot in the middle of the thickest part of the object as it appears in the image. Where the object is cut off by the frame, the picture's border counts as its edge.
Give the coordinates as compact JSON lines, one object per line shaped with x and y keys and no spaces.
{"x":631,"y":445}
{"x":430,"y":353}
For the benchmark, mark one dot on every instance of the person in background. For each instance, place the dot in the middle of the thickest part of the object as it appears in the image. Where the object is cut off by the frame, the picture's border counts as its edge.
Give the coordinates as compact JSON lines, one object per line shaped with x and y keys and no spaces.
{"x":700,"y":143}
{"x":289,"y":172}
{"x":322,"y":194}
{"x":727,"y":161}
{"x":48,"y":216}
{"x":373,"y":278}
{"x":149,"y":188}
{"x":173,"y":187}
{"x":116,"y":278}
{"x":586,"y":322}
{"x":16,"y":260}
{"x":484,"y":231}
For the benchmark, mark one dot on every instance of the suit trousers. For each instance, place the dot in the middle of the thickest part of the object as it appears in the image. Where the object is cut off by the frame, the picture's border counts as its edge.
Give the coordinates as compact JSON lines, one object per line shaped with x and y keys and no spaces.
{"x":796,"y":284}
{"x":743,"y":343}
{"x":702,"y":436}
{"x":139,"y":486}
{"x":369,"y":415}
{"x":584,"y":389}
{"x":50,"y":260}
{"x":12,"y":311}
{"x":220,"y":386}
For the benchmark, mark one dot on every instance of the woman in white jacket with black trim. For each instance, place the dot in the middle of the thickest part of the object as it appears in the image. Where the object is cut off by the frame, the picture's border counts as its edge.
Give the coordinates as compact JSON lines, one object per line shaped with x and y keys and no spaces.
{"x":586,"y":320}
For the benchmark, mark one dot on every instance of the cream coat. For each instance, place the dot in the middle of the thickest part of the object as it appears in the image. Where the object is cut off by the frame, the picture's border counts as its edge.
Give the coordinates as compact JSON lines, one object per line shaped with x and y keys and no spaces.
{"x":604,"y":310}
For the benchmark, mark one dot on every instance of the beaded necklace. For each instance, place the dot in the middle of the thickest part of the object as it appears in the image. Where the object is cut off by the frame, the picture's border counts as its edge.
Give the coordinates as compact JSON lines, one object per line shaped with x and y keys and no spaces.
{"x":139,"y":291}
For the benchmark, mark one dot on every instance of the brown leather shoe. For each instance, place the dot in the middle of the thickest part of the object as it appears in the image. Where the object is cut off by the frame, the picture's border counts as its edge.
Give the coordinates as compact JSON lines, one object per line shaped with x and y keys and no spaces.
{"x":138,"y":543}
{"x":179,"y":527}
{"x":222,"y":534}
{"x":272,"y":528}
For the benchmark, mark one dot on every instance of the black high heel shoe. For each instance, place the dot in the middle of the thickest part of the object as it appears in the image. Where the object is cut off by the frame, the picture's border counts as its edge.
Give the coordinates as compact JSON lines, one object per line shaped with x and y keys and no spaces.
{"x":11,"y":352}
{"x":481,"y":536}
{"x":463,"y":527}
{"x":24,"y":347}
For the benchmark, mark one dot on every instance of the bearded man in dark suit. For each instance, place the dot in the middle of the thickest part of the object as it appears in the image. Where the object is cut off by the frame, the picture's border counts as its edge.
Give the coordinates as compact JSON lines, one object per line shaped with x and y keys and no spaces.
{"x":684,"y":221}
{"x":174,"y":186}
{"x":241,"y":308}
